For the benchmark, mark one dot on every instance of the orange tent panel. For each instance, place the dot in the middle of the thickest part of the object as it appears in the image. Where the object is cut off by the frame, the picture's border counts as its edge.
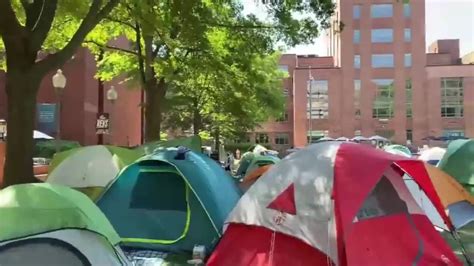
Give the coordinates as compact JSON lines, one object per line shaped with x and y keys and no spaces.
{"x":449,"y":190}
{"x":256,"y":174}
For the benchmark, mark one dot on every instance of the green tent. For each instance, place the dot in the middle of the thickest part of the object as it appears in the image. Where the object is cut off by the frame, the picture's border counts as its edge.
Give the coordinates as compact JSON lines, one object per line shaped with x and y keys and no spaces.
{"x":194,"y":143}
{"x":466,"y":237}
{"x":244,"y":163}
{"x":35,"y":216}
{"x":261,"y":160}
{"x":170,"y":200}
{"x":90,"y":169}
{"x":400,"y":148}
{"x":458,"y":161}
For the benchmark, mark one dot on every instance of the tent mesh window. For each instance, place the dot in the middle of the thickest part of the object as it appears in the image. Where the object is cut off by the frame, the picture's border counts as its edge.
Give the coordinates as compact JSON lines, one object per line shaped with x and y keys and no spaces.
{"x":168,"y":191}
{"x":41,"y":252}
{"x":157,"y":202}
{"x":383,"y":200}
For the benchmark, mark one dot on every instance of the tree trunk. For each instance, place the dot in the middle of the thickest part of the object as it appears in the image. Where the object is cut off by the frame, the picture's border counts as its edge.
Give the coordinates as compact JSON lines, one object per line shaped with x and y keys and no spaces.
{"x":217,"y":138}
{"x":155,"y":93}
{"x":197,"y":120}
{"x":21,"y":91}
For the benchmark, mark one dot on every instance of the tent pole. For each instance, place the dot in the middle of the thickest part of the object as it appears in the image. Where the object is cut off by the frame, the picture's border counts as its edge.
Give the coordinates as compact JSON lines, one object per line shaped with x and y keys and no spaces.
{"x":456,"y":237}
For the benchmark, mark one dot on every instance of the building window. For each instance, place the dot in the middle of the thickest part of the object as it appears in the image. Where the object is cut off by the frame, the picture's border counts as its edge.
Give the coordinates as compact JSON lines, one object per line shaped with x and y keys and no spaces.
{"x":283,"y":68}
{"x":357,"y":86}
{"x":356,"y":37}
{"x":409,"y":134}
{"x":382,"y":60}
{"x":407,"y":60}
{"x":262,"y":138}
{"x":407,"y":35}
{"x":356,"y":11}
{"x":453,"y":133}
{"x":386,"y":133}
{"x":452,"y":97}
{"x":282,"y":139}
{"x":286,"y":92}
{"x":381,"y":11}
{"x":409,"y":97}
{"x":318,"y":102}
{"x":356,"y":61}
{"x":357,"y":133}
{"x":406,"y":10}
{"x":382,"y":36}
{"x":315,"y":135}
{"x":283,"y":117}
{"x":383,"y":104}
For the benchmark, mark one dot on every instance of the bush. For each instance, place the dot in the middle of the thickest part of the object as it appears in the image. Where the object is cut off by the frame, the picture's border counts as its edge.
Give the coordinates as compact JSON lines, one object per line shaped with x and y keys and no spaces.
{"x":47,"y":148}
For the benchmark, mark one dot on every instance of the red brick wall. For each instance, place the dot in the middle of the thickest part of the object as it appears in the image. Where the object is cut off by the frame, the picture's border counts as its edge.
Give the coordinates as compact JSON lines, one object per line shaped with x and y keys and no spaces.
{"x":80,"y":104}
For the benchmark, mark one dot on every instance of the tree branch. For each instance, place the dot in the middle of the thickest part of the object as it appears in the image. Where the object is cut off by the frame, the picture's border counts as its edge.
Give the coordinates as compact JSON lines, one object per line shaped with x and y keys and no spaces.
{"x":39,"y":20}
{"x":9,"y":24}
{"x":141,"y":64}
{"x":128,"y":24}
{"x":242,"y":26}
{"x":88,"y":23}
{"x":110,"y":47}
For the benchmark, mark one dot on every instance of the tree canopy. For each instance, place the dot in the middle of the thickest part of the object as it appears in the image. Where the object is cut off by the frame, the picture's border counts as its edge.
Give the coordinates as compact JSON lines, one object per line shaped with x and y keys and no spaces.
{"x":173,"y":47}
{"x":206,"y":55}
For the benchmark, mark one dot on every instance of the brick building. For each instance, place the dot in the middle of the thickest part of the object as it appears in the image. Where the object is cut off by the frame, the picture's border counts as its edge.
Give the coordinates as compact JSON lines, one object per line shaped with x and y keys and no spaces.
{"x":83,"y":97}
{"x":377,"y":80}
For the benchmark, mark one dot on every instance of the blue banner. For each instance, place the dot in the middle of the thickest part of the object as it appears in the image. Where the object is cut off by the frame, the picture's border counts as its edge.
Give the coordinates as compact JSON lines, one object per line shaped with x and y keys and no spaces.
{"x":46,"y":118}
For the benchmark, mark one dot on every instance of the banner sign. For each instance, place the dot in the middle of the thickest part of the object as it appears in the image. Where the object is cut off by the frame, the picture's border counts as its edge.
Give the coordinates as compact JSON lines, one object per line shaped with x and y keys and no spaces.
{"x":46,"y":118}
{"x":102,"y":124}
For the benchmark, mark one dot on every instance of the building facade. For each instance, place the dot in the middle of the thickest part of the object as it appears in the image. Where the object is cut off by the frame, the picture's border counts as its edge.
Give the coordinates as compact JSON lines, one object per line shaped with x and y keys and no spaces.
{"x":83,"y":98}
{"x":377,"y":80}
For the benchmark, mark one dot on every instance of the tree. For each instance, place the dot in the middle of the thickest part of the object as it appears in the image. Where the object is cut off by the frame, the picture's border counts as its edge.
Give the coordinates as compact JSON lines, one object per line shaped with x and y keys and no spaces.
{"x":28,"y":29}
{"x":163,"y":34}
{"x":226,"y":98}
{"x":167,"y":35}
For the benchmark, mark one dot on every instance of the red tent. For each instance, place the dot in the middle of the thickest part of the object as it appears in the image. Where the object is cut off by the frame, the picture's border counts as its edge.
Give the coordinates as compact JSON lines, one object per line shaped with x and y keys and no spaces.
{"x":335,"y":204}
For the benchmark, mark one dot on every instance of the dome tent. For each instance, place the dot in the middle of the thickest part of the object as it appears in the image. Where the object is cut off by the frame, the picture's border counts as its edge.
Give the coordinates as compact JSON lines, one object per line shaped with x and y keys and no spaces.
{"x":89,"y":169}
{"x":170,"y":201}
{"x":309,"y":210}
{"x":432,"y":155}
{"x":458,"y":161}
{"x":44,"y":224}
{"x":394,"y":148}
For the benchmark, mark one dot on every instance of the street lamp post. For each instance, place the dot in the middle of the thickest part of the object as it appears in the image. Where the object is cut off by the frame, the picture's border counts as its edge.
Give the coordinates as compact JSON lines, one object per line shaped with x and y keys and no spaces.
{"x":310,"y":95}
{"x":112,"y":96}
{"x":59,"y":83}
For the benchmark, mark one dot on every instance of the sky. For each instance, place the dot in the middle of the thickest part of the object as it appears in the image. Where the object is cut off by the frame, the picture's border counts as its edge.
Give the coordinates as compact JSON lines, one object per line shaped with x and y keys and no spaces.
{"x":457,"y":22}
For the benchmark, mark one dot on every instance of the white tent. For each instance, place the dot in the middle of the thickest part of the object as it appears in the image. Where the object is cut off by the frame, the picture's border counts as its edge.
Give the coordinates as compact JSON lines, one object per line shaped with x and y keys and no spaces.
{"x":433,"y":155}
{"x":91,"y":166}
{"x":39,"y":135}
{"x":62,"y":247}
{"x":378,"y":138}
{"x":360,"y":138}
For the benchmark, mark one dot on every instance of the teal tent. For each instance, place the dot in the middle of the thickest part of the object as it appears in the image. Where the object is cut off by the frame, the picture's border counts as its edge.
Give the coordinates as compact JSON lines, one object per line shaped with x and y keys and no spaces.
{"x":46,"y":224}
{"x":171,"y":200}
{"x":194,"y":143}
